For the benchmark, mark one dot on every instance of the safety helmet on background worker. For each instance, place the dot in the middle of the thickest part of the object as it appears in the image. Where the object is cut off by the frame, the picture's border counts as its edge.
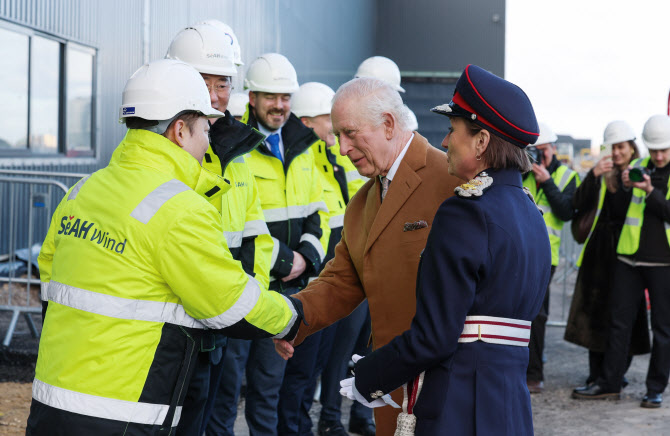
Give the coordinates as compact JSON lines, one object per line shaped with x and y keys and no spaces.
{"x":413,"y":124}
{"x":618,"y":131}
{"x":162,"y":89}
{"x":382,"y":68}
{"x":312,"y":99}
{"x":237,"y":105}
{"x":273,"y":73}
{"x":206,"y":48}
{"x":547,"y":136}
{"x":656,"y":132}
{"x":234,"y":42}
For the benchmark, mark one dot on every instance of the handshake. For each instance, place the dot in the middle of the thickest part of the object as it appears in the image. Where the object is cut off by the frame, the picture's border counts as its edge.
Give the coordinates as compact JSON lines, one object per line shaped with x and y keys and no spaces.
{"x":348,"y":386}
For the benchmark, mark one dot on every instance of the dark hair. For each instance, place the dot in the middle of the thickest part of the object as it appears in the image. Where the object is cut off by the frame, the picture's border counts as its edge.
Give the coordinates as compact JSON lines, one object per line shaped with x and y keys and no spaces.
{"x":188,"y":117}
{"x":500,"y":153}
{"x":612,"y":179}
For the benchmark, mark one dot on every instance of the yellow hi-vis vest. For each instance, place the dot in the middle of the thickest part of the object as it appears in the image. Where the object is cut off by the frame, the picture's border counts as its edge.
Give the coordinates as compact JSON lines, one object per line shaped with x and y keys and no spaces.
{"x":601,"y":201}
{"x":133,"y":267}
{"x":242,"y":217}
{"x":629,"y":241}
{"x":561,"y":177}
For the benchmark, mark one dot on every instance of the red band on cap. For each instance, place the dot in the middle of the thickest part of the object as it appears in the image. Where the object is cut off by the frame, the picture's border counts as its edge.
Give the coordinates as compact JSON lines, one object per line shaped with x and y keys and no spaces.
{"x":467,"y":74}
{"x":462,"y":103}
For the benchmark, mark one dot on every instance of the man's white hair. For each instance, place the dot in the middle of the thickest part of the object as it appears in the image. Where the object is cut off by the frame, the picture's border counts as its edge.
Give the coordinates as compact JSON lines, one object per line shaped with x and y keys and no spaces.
{"x":375,"y":98}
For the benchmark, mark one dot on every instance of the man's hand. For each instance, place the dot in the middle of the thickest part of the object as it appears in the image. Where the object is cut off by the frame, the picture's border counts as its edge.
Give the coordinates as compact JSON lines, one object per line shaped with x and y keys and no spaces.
{"x":604,"y":165}
{"x":298,"y":267}
{"x":284,"y":348}
{"x":645,"y":184}
{"x":541,"y":173}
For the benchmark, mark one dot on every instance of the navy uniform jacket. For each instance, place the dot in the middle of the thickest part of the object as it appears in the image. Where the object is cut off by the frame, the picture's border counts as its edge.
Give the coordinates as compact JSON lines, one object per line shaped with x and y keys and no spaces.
{"x":489,"y":256}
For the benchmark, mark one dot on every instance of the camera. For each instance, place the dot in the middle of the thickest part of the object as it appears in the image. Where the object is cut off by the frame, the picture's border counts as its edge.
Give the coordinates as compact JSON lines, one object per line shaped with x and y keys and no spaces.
{"x":535,"y":154}
{"x":637,"y":174}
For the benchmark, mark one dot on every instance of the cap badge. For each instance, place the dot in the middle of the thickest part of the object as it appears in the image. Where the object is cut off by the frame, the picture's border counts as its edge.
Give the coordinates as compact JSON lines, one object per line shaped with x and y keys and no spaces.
{"x":473,"y":116}
{"x":475,"y":187}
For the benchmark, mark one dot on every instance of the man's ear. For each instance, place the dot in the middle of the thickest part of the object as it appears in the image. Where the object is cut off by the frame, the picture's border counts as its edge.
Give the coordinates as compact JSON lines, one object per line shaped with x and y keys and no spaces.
{"x":306,"y":121}
{"x":252,"y":99}
{"x":177,"y":132}
{"x":389,"y":125}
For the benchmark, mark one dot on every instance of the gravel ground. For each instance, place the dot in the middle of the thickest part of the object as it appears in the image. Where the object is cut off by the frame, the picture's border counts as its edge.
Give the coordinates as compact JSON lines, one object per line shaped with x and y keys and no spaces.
{"x":554,"y":412}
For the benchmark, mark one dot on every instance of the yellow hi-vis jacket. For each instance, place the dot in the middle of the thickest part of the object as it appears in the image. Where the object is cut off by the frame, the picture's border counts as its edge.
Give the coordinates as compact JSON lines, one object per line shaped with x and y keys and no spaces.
{"x":292,"y":201}
{"x":134,"y":267}
{"x":339,"y":185}
{"x":244,"y":227}
{"x":601,"y":201}
{"x":629,"y":241}
{"x":561,"y":177}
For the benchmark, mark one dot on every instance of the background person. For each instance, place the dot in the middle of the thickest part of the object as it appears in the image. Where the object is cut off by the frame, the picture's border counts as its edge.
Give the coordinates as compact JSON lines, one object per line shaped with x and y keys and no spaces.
{"x":552,"y":184}
{"x":487,"y":259}
{"x":643,"y":261}
{"x":291,"y":193}
{"x":141,"y":271}
{"x":602,"y":189}
{"x":386,"y":223}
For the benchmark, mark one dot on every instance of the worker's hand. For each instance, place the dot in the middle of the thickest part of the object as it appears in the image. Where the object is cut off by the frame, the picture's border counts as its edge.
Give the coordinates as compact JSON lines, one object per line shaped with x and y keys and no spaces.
{"x":298,"y":267}
{"x":625,"y":179}
{"x":284,"y":348}
{"x":541,"y":173}
{"x":604,"y":165}
{"x":645,"y":184}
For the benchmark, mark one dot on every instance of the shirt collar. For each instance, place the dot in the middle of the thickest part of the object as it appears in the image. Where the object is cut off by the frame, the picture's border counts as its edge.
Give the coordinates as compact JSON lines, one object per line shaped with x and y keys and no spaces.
{"x":396,"y":164}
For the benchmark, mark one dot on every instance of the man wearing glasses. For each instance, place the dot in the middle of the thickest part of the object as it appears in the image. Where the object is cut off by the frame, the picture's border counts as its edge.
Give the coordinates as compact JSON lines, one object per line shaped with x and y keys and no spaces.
{"x":212,"y":49}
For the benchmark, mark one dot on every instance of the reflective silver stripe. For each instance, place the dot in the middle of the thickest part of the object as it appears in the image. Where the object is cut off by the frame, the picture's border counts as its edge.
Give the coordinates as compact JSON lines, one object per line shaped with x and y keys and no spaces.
{"x":336,"y":221}
{"x":667,"y":226}
{"x":354,"y":175}
{"x":637,"y":200}
{"x":294,"y":317}
{"x":101,"y":407}
{"x":118,"y":307}
{"x":233,"y":239}
{"x":554,"y":232}
{"x":156,"y":199}
{"x":314,"y":241}
{"x":293,"y":212}
{"x":77,"y":187}
{"x":631,"y":221}
{"x":564,"y":180}
{"x":44,"y":289}
{"x":244,"y":304}
{"x":544,"y":208}
{"x":275,"y":253}
{"x":238,"y":159}
{"x":255,"y":228}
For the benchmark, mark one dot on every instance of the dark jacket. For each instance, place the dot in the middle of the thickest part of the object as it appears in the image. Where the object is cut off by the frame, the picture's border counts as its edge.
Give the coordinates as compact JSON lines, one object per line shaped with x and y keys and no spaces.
{"x":489,"y":256}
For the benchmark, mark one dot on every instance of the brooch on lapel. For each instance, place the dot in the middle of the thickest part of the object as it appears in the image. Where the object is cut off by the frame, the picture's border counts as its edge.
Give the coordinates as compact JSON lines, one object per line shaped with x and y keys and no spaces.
{"x":416,"y":225}
{"x":475,"y":187}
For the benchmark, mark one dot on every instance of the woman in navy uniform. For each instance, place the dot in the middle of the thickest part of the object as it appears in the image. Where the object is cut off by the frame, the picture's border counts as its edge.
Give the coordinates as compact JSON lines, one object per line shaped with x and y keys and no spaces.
{"x":465,"y":356}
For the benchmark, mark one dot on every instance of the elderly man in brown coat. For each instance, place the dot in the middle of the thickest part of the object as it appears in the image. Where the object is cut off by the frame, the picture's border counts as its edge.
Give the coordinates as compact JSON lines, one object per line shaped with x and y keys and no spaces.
{"x":386,"y":224}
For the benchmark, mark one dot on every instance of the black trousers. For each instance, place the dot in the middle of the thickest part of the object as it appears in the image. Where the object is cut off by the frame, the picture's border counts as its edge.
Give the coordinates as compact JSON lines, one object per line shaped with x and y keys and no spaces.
{"x":535,"y":370}
{"x":627,"y":294}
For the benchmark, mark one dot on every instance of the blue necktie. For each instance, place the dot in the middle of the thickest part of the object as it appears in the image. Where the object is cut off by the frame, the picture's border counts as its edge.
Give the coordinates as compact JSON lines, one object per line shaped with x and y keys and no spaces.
{"x":273,"y":140}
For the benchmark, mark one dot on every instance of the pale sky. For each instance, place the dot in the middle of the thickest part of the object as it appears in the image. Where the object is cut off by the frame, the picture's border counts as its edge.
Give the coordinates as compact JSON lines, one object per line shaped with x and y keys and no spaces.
{"x":586,"y":63}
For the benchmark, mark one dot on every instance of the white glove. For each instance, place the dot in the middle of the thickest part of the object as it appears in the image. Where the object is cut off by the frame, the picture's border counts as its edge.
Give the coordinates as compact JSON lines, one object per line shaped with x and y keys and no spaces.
{"x":348,"y":389}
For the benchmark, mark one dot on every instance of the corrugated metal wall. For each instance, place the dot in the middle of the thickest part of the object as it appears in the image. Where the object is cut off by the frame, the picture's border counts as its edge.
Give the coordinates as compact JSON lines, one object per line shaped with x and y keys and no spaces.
{"x":324,"y":40}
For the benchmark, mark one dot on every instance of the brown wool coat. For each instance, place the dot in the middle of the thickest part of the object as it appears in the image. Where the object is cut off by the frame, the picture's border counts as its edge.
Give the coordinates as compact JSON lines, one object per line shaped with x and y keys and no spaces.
{"x":377,"y":260}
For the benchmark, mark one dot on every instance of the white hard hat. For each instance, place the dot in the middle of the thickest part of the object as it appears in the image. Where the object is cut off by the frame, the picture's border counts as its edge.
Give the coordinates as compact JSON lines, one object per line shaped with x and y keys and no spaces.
{"x":237,"y":105}
{"x":618,"y":131}
{"x":206,"y":48}
{"x":656,"y":132}
{"x":547,"y":136}
{"x":312,"y":99}
{"x":411,"y":117}
{"x":381,"y":68}
{"x":271,"y":72}
{"x":234,"y":42}
{"x":161,"y":89}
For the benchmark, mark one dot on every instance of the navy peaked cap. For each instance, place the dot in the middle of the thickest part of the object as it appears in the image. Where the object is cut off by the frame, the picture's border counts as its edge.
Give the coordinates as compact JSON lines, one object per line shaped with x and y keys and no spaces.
{"x":494,"y":104}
